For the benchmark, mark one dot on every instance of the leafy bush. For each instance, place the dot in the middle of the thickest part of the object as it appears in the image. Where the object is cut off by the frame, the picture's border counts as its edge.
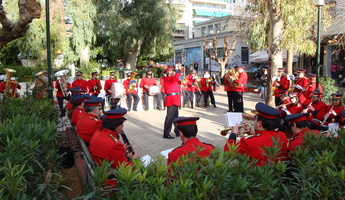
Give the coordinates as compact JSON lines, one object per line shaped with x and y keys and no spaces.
{"x":316,"y":172}
{"x":328,"y":88}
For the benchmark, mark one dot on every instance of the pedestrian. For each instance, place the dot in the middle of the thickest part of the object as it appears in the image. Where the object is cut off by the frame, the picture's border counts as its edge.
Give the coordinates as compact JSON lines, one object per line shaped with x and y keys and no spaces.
{"x":262,"y":77}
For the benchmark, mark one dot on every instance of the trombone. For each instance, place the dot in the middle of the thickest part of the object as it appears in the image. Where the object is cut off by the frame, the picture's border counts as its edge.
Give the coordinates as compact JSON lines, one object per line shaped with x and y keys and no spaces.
{"x":242,"y":129}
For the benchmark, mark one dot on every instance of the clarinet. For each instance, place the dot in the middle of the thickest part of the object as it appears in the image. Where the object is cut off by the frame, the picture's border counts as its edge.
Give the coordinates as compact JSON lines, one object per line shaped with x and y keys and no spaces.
{"x":126,"y":141}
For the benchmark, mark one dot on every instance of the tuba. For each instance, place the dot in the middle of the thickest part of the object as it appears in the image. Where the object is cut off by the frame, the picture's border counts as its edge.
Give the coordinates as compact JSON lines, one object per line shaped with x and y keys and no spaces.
{"x":62,"y":81}
{"x":234,"y":74}
{"x":10,"y":91}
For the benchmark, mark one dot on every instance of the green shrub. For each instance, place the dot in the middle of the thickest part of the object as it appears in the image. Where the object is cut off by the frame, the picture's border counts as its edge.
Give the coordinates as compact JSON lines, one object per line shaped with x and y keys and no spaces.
{"x":316,"y":172}
{"x":328,"y":88}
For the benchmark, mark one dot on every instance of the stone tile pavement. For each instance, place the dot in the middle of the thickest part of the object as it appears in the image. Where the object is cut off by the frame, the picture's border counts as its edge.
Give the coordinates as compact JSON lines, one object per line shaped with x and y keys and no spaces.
{"x":144,"y":129}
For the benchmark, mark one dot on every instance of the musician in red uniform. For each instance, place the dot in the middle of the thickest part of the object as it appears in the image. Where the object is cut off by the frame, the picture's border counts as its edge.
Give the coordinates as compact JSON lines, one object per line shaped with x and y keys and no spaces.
{"x":161,"y":82}
{"x":77,"y":108}
{"x":299,"y":126}
{"x":89,"y":122}
{"x":130,"y":85}
{"x":265,"y":125}
{"x":172,"y":100}
{"x":234,"y":88}
{"x":147,"y":82}
{"x":281,"y":83}
{"x":80,"y":81}
{"x":189,"y":87}
{"x":105,"y":143}
{"x":315,"y":105}
{"x":302,"y":81}
{"x":332,"y":112}
{"x":61,"y":95}
{"x":295,"y":106}
{"x":14,"y":85}
{"x":41,"y":85}
{"x":75,"y":92}
{"x":206,"y":88}
{"x":94,"y":85}
{"x":190,"y":143}
{"x":305,"y":97}
{"x":107,"y":88}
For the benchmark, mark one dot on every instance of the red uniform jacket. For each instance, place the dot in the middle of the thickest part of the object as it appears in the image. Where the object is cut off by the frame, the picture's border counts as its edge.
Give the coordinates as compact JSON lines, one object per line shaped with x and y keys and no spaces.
{"x":331,"y":118}
{"x":126,"y":84}
{"x":205,"y":85}
{"x":107,"y":85}
{"x":191,"y":145}
{"x":75,"y":115}
{"x":57,"y":86}
{"x":161,"y":82}
{"x":253,"y":146}
{"x":87,"y":125}
{"x":147,"y":82}
{"x":238,"y":85}
{"x":192,"y":84}
{"x":293,"y":109}
{"x":284,"y":85}
{"x":12,"y":87}
{"x":298,"y":139}
{"x":305,"y":98}
{"x":172,"y":87}
{"x":303,"y":82}
{"x":105,"y":145}
{"x":81,"y":83}
{"x":320,"y":105}
{"x":94,"y":86}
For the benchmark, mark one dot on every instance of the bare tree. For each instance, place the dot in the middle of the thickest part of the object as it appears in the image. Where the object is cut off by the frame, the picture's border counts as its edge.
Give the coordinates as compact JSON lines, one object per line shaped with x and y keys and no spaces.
{"x":28,"y":10}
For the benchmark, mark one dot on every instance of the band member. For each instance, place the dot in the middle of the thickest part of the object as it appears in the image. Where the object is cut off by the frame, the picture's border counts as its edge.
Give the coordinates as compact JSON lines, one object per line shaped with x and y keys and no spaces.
{"x":94,"y":85}
{"x":107,"y":87}
{"x":77,"y":108}
{"x":295,"y":106}
{"x":13,"y":86}
{"x":235,"y":81}
{"x":80,"y":81}
{"x":299,"y":126}
{"x":41,"y":85}
{"x":130,"y":85}
{"x":302,"y":81}
{"x":62,"y":87}
{"x":281,"y":83}
{"x":285,"y":99}
{"x":172,"y":100}
{"x":207,"y":89}
{"x":315,"y":105}
{"x":190,"y":143}
{"x":89,"y":122}
{"x":190,"y":86}
{"x":146,"y":83}
{"x":161,"y":82}
{"x":105,"y":143}
{"x":187,"y":95}
{"x":75,"y":92}
{"x":332,"y":112}
{"x":305,"y":97}
{"x":266,"y":124}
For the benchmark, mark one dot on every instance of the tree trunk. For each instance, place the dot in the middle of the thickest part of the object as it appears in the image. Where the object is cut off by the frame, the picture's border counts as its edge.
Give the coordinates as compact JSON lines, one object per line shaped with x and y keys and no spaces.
{"x":289,"y":61}
{"x":275,"y":53}
{"x":133,"y":57}
{"x":222,"y":68}
{"x":28,"y":10}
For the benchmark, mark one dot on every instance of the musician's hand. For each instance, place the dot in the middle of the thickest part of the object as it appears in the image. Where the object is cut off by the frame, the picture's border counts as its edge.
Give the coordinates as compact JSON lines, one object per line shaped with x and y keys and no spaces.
{"x":125,"y":146}
{"x":311,"y":108}
{"x":278,"y":84}
{"x":135,"y":155}
{"x":333,"y":112}
{"x":234,"y":129}
{"x":95,"y":87}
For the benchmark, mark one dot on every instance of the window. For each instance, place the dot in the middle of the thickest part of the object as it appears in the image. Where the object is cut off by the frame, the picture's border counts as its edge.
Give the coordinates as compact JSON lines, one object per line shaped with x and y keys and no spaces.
{"x":203,"y":31}
{"x":218,"y":28}
{"x":210,"y":29}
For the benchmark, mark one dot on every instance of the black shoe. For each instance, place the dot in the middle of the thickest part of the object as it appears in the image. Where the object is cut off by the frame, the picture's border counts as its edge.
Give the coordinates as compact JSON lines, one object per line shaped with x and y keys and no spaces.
{"x":177,"y":135}
{"x":135,"y":110}
{"x":192,"y":107}
{"x":168,"y":137}
{"x":158,"y":108}
{"x":214,"y":105}
{"x":197,"y":105}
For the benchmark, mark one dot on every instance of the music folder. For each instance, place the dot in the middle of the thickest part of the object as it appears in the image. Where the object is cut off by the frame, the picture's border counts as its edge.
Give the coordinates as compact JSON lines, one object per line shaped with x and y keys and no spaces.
{"x":233,"y":118}
{"x":165,"y":153}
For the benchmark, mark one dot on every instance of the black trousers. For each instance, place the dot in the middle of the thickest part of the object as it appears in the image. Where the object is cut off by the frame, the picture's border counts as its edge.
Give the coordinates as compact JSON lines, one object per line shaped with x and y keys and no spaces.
{"x":235,"y":101}
{"x":163,"y":97}
{"x":60,"y":102}
{"x":129,"y":101}
{"x":188,"y":96}
{"x":197,"y":98}
{"x":172,"y":114}
{"x":158,"y":98}
{"x":207,"y":94}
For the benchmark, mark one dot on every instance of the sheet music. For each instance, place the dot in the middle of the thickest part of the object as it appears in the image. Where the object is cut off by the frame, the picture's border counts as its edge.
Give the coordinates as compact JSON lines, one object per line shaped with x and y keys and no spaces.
{"x":333,"y":128}
{"x":146,"y":160}
{"x":165,"y":153}
{"x":232,"y":118}
{"x":102,"y":95}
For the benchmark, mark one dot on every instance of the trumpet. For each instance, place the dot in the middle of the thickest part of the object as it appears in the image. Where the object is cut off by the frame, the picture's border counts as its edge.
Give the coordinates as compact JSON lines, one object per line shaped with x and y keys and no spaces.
{"x":243,"y":129}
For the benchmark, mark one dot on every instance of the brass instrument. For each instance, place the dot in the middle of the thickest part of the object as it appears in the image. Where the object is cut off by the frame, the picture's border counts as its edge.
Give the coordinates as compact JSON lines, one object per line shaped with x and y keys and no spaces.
{"x":10,"y":92}
{"x":184,"y":81}
{"x":126,"y":141}
{"x":41,"y":84}
{"x":242,"y":129}
{"x":208,"y":81}
{"x":62,"y":81}
{"x":132,"y":82}
{"x":327,"y":115}
{"x":234,"y":74}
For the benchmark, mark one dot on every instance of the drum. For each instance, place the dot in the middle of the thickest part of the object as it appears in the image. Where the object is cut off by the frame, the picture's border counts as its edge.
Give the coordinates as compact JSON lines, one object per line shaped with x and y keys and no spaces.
{"x":154,"y":90}
{"x":117,"y":90}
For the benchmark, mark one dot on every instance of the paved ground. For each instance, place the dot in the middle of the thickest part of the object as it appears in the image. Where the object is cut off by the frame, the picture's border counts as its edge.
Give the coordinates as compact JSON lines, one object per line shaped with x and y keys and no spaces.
{"x":145,"y":128}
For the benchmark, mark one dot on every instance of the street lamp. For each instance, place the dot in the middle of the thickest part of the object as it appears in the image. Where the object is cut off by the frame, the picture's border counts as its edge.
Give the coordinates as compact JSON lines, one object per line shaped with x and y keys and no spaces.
{"x":50,"y":89}
{"x":319,"y":4}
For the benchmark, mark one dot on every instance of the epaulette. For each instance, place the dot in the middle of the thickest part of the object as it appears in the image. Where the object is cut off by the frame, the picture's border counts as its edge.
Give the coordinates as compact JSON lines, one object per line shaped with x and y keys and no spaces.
{"x":208,"y":144}
{"x":93,"y":118}
{"x":251,"y":136}
{"x":114,"y":138}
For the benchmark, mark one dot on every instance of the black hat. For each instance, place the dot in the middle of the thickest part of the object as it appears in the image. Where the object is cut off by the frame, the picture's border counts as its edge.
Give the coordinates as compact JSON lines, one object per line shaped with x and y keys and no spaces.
{"x":267,"y":111}
{"x":180,"y":121}
{"x":317,"y":93}
{"x":298,"y":117}
{"x":77,"y":89}
{"x":82,"y":97}
{"x":93,"y":73}
{"x":78,"y":73}
{"x":112,"y":73}
{"x":93,"y":101}
{"x":116,"y":113}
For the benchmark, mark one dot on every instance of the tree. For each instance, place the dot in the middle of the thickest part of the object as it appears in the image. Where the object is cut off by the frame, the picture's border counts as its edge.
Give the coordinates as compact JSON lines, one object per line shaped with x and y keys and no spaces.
{"x":214,"y":55}
{"x":137,"y":28}
{"x":28,"y":10}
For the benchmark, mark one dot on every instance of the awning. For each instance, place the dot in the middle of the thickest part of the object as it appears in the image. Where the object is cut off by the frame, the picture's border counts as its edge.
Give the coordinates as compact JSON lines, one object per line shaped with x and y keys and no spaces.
{"x":262,"y":57}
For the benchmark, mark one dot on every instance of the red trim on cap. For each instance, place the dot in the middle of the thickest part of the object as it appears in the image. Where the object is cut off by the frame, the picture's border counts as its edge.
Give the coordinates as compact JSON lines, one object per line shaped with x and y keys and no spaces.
{"x":268,"y":116}
{"x":113,"y":116}
{"x":303,"y":118}
{"x":92,"y":104}
{"x":81,"y":100}
{"x":186,"y":123}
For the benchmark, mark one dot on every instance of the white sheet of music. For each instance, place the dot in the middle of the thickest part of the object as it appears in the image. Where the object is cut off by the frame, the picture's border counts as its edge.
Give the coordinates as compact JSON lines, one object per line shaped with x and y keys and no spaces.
{"x":102,"y":95}
{"x":333,"y":128}
{"x":232,"y":118}
{"x":165,"y":153}
{"x":146,"y":160}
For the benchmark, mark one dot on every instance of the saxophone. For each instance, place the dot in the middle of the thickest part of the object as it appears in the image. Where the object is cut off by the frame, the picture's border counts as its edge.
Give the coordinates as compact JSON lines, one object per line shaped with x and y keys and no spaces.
{"x":10,"y":92}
